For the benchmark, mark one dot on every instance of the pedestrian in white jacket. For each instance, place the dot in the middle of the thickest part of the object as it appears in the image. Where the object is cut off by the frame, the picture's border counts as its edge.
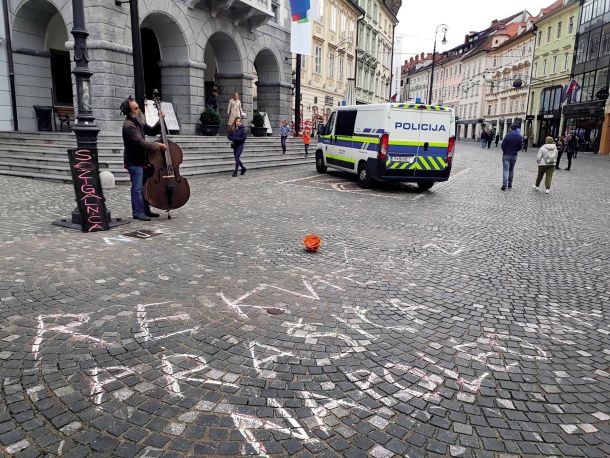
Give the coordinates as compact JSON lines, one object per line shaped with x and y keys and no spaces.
{"x":547,"y":157}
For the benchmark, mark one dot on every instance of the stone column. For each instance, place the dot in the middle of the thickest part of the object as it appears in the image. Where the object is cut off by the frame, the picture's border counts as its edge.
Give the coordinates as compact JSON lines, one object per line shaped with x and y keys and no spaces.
{"x":182,"y":84}
{"x":228,"y":84}
{"x":111,"y":82}
{"x":274,"y":99}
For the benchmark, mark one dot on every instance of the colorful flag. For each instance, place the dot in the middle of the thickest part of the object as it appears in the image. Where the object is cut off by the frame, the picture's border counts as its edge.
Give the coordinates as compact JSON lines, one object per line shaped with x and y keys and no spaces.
{"x":299,"y":9}
{"x":300,"y":27}
{"x":570,"y":92}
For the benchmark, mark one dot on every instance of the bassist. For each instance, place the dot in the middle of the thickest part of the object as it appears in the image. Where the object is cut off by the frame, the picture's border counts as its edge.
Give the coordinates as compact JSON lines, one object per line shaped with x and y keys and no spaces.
{"x":136,"y":155}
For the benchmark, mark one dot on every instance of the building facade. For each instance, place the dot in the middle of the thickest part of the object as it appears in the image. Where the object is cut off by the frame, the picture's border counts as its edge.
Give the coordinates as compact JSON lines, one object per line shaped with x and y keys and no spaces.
{"x":584,"y":112}
{"x":416,"y":78}
{"x":189,"y":46}
{"x":325,"y":74}
{"x":552,"y":65}
{"x":375,"y":50}
{"x":507,"y":80}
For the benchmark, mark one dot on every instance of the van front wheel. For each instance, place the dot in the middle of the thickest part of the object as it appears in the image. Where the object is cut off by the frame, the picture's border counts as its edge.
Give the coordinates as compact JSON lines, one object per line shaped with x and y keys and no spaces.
{"x":320,"y":166}
{"x":424,"y":186}
{"x":363,"y":177}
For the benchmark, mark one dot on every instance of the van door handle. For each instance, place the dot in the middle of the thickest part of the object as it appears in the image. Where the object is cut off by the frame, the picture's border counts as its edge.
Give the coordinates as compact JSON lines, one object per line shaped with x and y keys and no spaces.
{"x":426,"y":146}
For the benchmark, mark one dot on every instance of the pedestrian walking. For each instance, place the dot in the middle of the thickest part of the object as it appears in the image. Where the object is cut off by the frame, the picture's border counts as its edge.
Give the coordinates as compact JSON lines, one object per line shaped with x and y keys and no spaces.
{"x":284,"y":132}
{"x":546,"y":158}
{"x":237,"y":135}
{"x":483,"y":139}
{"x":234,"y":109}
{"x":571,"y":149}
{"x":306,"y":141}
{"x":576,"y":145}
{"x":490,"y":138}
{"x":497,"y":139}
{"x":524,"y":145}
{"x":560,"y":143}
{"x":212,"y":100}
{"x":511,"y":145}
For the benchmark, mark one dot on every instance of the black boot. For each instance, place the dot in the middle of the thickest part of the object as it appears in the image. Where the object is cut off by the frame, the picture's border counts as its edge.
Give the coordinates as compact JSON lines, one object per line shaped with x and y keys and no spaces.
{"x":243,"y":170}
{"x":234,"y":174}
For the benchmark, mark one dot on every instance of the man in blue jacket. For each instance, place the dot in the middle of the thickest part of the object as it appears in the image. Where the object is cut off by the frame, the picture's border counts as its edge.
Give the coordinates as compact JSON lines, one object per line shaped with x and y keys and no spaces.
{"x":511,"y":145}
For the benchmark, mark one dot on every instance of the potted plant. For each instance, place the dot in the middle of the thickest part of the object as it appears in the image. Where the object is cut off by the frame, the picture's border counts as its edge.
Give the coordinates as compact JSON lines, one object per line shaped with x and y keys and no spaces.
{"x":258,"y":128}
{"x":210,"y":122}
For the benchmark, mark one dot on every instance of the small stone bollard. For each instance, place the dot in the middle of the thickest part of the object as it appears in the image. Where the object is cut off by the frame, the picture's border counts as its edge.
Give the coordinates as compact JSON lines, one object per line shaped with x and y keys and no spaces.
{"x":107,"y":180}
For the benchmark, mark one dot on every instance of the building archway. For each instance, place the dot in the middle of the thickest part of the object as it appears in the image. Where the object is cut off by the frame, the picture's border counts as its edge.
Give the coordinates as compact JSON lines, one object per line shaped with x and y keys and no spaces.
{"x":224,"y":70}
{"x":167,"y":65}
{"x":267,"y":86}
{"x":43,"y":72}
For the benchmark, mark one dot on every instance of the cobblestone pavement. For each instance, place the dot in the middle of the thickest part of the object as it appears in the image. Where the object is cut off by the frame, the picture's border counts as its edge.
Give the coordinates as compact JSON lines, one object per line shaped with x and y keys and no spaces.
{"x":463,"y":321}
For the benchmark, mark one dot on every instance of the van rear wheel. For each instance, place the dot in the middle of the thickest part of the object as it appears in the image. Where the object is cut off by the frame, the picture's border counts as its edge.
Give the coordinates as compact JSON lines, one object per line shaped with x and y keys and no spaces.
{"x":424,"y":186}
{"x":320,"y":166}
{"x":363,"y":177}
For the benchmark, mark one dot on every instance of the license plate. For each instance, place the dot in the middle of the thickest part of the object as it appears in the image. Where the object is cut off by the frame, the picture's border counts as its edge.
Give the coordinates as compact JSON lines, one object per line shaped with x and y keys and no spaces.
{"x":409,"y":159}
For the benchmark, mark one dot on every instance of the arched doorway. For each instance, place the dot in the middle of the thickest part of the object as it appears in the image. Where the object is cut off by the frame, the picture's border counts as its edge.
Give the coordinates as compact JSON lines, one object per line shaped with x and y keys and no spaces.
{"x":223,"y":69}
{"x":43,"y":75}
{"x":167,"y":66}
{"x":267,"y":97}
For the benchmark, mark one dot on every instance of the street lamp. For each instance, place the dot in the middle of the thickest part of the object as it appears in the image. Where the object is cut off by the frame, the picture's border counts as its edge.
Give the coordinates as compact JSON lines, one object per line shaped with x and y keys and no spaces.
{"x":91,"y":214}
{"x":444,"y":28}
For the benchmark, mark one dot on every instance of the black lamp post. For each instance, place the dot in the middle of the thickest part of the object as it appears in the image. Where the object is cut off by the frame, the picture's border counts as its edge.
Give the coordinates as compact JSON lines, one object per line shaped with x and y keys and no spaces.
{"x":444,"y":28}
{"x":85,"y":128}
{"x":91,"y":214}
{"x":136,"y":41}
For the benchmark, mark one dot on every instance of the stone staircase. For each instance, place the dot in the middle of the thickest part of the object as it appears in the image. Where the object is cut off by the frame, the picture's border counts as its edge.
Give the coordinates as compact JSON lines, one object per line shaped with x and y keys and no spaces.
{"x":44,"y":155}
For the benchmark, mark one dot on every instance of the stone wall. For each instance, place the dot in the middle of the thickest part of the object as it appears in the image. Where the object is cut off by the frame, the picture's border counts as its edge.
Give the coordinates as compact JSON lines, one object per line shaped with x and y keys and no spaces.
{"x":183,"y":34}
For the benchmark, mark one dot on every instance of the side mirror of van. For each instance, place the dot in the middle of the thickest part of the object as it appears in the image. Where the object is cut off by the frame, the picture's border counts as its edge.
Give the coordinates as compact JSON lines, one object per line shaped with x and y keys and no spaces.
{"x":321,"y":129}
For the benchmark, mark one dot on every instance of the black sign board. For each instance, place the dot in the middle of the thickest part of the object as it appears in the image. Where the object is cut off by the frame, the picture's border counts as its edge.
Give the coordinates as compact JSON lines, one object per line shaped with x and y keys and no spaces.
{"x":88,"y":189}
{"x":530,"y":117}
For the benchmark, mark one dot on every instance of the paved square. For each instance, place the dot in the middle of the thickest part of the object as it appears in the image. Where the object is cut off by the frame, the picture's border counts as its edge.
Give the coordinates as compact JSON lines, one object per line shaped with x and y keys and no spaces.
{"x":464,"y":321}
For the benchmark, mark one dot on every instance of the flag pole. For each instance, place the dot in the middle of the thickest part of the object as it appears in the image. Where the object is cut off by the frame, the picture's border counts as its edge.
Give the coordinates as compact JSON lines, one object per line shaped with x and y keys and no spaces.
{"x":297,"y":97}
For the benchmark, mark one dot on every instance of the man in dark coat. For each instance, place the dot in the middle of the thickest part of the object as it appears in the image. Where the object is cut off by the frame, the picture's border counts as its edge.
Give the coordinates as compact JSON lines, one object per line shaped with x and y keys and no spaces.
{"x":212,"y":100}
{"x":511,"y":145}
{"x":135,"y":155}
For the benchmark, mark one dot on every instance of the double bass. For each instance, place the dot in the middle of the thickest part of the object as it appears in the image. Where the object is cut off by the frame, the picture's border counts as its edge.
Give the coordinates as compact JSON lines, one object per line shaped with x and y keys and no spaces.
{"x":166,"y":189}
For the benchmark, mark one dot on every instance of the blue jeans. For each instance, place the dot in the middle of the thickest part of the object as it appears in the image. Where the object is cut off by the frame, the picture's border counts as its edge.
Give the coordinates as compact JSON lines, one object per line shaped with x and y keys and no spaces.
{"x":508,"y":163}
{"x":139,"y":206}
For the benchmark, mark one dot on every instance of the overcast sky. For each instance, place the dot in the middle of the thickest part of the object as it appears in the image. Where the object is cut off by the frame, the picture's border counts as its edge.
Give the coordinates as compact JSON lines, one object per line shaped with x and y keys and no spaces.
{"x":419,"y":19}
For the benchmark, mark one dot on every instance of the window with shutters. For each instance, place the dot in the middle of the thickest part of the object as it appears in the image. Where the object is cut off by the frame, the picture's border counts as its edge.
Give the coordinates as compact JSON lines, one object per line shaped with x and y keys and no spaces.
{"x":318,"y":60}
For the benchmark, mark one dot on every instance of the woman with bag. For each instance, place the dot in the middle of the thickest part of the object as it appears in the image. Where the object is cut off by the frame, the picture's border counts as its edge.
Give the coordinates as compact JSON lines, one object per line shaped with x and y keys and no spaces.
{"x":547,"y":157}
{"x":234,"y":109}
{"x":237,"y":135}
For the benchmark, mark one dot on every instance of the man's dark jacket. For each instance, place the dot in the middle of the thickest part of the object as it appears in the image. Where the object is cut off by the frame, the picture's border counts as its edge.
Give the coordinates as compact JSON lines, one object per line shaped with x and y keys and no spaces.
{"x":512,"y":144}
{"x":136,"y":146}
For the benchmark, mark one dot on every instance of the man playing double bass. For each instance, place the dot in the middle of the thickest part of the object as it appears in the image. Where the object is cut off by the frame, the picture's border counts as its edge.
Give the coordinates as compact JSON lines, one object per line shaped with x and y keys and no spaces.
{"x":136,"y":155}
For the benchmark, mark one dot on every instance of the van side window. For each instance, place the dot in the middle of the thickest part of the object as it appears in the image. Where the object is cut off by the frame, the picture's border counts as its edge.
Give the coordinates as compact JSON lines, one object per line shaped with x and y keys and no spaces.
{"x":346,"y":120}
{"x":331,"y":123}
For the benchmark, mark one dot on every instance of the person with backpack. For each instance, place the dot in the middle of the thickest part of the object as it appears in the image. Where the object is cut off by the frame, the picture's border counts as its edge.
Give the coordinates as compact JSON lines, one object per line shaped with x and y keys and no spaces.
{"x":546,"y":159}
{"x":511,"y":145}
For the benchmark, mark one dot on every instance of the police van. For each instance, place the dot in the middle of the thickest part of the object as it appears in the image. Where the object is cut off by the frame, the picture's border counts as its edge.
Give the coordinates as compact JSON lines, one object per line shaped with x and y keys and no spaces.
{"x":389,"y":142}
